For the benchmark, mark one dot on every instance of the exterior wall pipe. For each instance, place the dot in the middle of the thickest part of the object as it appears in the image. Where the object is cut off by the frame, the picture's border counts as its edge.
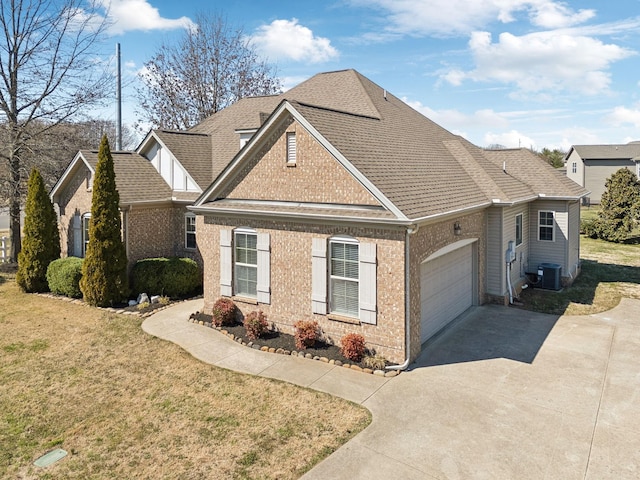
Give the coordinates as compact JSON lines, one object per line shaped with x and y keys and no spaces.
{"x":509,"y":283}
{"x":407,"y":300}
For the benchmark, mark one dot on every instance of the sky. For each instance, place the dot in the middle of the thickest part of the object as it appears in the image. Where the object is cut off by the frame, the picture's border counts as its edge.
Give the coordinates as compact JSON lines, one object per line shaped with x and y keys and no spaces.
{"x":528,"y":73}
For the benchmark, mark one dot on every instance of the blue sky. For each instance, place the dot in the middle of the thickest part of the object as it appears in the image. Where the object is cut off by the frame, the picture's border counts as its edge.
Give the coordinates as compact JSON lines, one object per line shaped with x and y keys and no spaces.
{"x":531,"y":73}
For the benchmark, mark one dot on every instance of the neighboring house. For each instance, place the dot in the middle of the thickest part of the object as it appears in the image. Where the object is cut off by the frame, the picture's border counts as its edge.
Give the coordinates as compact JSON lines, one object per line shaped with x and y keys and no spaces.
{"x":155,"y":189}
{"x":348,"y":207}
{"x":590,"y":165}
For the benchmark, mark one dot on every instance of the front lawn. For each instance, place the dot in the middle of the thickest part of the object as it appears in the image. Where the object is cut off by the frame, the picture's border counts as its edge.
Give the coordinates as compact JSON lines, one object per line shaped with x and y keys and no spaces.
{"x":128,"y":405}
{"x":610,"y":271}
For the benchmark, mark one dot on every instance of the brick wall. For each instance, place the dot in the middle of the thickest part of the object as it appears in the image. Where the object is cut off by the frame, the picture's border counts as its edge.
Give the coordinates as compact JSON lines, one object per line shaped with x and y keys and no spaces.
{"x":316,"y":177}
{"x":291,"y":279}
{"x":75,"y":199}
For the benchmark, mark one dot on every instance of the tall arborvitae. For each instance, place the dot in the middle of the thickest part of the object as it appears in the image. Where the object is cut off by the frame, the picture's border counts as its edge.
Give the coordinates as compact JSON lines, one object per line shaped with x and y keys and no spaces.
{"x":104,"y":270}
{"x":619,"y":206}
{"x":41,"y":241}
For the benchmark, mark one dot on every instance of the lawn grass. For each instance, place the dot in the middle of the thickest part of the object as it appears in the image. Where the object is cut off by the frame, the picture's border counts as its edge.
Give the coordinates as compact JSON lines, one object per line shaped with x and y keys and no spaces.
{"x":610,"y":271}
{"x":125,"y":404}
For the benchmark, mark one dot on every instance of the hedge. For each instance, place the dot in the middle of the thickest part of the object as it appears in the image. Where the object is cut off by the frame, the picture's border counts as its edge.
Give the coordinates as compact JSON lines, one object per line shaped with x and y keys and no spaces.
{"x":173,"y":277}
{"x":63,"y":276}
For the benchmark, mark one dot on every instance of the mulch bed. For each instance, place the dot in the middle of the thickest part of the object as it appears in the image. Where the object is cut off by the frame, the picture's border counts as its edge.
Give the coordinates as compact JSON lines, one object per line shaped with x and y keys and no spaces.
{"x":284,"y":343}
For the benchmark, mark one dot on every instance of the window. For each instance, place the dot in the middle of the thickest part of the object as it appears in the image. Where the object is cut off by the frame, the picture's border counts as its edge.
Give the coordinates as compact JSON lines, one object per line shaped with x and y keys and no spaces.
{"x":545,"y":226}
{"x":86,"y":219}
{"x":344,"y":275}
{"x":190,"y":231}
{"x":246,"y":263}
{"x":574,"y":167}
{"x":518,"y":229}
{"x":291,"y":148}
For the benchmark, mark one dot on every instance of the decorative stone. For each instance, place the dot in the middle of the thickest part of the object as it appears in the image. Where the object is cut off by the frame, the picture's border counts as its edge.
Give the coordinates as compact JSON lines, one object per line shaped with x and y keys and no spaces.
{"x":142,"y":298}
{"x":250,"y":344}
{"x":280,"y":351}
{"x":201,"y":322}
{"x":308,"y":355}
{"x":324,"y":359}
{"x":367,"y":370}
{"x":132,"y":303}
{"x":155,"y":298}
{"x":356,"y":368}
{"x":379,"y":373}
{"x":346,"y":365}
{"x":391,"y":373}
{"x":332,"y":362}
{"x":286,"y":352}
{"x":272,"y":350}
{"x":256,"y":347}
{"x":316,"y":358}
{"x":265,"y":349}
{"x":338,"y":363}
{"x":224,"y":332}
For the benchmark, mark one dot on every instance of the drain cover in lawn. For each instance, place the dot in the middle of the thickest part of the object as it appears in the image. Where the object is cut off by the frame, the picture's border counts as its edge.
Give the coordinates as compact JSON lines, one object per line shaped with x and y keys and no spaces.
{"x":52,"y":457}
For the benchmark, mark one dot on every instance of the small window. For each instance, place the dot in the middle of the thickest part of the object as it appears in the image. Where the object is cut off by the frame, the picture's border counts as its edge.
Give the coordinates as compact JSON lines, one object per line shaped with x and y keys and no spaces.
{"x":190,"y":231}
{"x":246,"y":263}
{"x":574,"y":167}
{"x":86,"y":220}
{"x":545,"y":226}
{"x":291,"y":148}
{"x":344,"y":275}
{"x":518,"y":229}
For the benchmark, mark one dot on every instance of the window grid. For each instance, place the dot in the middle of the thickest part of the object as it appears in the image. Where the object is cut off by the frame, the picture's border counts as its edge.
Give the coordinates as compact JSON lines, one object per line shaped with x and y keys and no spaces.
{"x":344,"y":275}
{"x":518,"y":229}
{"x":246,"y":264}
{"x":190,"y":232}
{"x":574,"y":167}
{"x":545,"y":226}
{"x":86,"y":219}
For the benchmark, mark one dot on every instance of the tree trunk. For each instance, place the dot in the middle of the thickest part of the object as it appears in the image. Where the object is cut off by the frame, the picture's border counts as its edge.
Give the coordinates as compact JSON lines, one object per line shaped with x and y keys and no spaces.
{"x":14,"y":207}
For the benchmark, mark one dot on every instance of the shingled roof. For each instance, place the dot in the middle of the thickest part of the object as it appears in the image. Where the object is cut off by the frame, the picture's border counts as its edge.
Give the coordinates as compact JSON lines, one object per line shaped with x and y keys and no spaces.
{"x":136,"y":179}
{"x":193,"y":151}
{"x":629,"y":151}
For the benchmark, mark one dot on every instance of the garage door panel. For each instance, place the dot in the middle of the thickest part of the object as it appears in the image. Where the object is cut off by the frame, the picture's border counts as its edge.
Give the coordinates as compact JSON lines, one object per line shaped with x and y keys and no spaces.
{"x":446,"y":288}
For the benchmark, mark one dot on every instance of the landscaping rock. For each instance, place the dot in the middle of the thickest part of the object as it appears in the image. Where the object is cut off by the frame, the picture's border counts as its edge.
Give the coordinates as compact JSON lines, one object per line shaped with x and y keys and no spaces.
{"x":391,"y":373}
{"x":379,"y":373}
{"x":142,"y":298}
{"x":132,"y":303}
{"x":155,"y":298}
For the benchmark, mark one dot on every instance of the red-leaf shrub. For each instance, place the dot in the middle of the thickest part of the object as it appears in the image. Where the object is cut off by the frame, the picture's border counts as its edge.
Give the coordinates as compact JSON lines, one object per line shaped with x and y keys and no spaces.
{"x":306,"y":333}
{"x":224,"y":312}
{"x":256,"y":324}
{"x":353,"y":346}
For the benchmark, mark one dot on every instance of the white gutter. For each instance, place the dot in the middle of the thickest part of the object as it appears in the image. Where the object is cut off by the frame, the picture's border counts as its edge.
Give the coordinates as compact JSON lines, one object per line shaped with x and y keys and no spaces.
{"x":407,"y":302}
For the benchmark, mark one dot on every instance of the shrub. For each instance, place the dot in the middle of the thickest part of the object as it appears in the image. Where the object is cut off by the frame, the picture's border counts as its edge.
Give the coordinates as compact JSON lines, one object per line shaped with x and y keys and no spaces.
{"x":353,"y":346}
{"x":306,"y":333}
{"x":256,"y":325}
{"x":143,"y":305}
{"x":224,"y":312}
{"x":173,"y":277}
{"x":374,"y":362}
{"x":63,"y":276}
{"x":41,"y":243}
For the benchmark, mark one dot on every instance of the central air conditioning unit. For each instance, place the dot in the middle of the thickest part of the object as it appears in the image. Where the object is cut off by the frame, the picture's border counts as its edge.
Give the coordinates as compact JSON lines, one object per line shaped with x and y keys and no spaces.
{"x":549,"y":274}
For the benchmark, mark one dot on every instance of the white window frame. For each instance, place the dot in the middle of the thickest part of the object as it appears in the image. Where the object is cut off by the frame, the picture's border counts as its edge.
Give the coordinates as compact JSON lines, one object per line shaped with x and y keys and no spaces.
{"x":190,"y":230}
{"x":86,"y":219}
{"x":333,"y":279}
{"x":236,"y":284}
{"x":519,"y":216}
{"x":552,"y":226}
{"x":292,"y":148}
{"x":574,"y":167}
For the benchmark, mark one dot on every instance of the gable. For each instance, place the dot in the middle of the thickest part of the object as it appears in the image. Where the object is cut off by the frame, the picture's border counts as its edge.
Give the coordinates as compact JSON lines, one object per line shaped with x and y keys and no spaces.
{"x":316,"y":177}
{"x":171,"y":170}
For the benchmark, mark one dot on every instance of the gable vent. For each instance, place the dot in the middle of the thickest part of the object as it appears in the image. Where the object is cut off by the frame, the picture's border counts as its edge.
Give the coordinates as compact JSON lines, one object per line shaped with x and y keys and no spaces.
{"x":291,"y":148}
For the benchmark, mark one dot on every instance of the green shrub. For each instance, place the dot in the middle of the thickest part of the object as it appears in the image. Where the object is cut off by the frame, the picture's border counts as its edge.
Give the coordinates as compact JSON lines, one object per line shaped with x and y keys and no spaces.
{"x":63,"y":276}
{"x":41,"y":242}
{"x":306,"y":334}
{"x":352,"y":346}
{"x":256,"y":325}
{"x":224,"y":312}
{"x":172,"y":277}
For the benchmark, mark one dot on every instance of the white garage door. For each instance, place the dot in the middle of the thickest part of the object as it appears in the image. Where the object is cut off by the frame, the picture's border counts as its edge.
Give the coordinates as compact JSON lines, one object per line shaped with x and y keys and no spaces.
{"x":446,"y":289}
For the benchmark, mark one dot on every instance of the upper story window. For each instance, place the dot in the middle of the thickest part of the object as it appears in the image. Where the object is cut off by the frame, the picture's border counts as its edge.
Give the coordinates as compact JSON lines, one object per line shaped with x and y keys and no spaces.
{"x":190,"y":231}
{"x":518,"y":229}
{"x":291,"y":148}
{"x":545,"y":226}
{"x":246,"y":263}
{"x":574,"y":167}
{"x":344,"y":276}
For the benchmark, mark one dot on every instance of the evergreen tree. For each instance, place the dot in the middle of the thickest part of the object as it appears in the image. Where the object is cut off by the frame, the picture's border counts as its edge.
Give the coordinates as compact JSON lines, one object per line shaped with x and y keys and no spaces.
{"x":104,"y":270}
{"x":619,"y":206}
{"x":41,"y":242}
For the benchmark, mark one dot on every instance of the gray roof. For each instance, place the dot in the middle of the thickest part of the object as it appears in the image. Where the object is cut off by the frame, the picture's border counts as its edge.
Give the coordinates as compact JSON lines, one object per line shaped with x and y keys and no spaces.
{"x":193,"y":151}
{"x":629,"y":151}
{"x":136,"y":179}
{"x":420,"y":167}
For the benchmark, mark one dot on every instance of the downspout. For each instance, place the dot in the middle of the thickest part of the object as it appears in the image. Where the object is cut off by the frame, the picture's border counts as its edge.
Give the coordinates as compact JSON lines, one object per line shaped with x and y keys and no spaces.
{"x":509,"y":283}
{"x":407,"y":301}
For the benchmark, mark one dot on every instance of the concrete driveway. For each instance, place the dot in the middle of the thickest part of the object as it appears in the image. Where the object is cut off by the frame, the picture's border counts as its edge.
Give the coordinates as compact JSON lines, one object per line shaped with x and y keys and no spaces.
{"x":508,"y":394}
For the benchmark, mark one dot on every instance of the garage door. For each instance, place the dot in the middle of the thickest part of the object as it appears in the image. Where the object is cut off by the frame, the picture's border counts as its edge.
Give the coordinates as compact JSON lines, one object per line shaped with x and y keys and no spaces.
{"x":446,"y":288}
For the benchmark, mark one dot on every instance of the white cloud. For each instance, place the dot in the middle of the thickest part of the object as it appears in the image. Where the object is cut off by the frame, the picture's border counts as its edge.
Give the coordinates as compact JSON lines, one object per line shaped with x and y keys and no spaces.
{"x":129,"y":15}
{"x":456,"y":120}
{"x":624,"y":116}
{"x":539,"y":62}
{"x":459,"y":17}
{"x":288,"y":40}
{"x":511,"y":139}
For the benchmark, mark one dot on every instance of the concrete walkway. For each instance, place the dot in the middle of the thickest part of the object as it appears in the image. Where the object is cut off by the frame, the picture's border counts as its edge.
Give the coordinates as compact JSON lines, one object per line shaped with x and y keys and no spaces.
{"x":504,"y":394}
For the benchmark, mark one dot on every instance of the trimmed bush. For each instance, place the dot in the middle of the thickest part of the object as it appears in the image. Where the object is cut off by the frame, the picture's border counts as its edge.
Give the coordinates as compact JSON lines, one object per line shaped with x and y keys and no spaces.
{"x":353,"y":346}
{"x":256,"y":325}
{"x":173,"y":277}
{"x":306,"y":333}
{"x":63,"y":277}
{"x":374,"y":362}
{"x":224,"y":312}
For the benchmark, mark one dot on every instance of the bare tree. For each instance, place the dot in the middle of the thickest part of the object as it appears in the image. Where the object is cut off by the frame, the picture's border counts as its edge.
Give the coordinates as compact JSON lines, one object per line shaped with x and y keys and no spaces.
{"x":48,"y":75}
{"x":210,"y":67}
